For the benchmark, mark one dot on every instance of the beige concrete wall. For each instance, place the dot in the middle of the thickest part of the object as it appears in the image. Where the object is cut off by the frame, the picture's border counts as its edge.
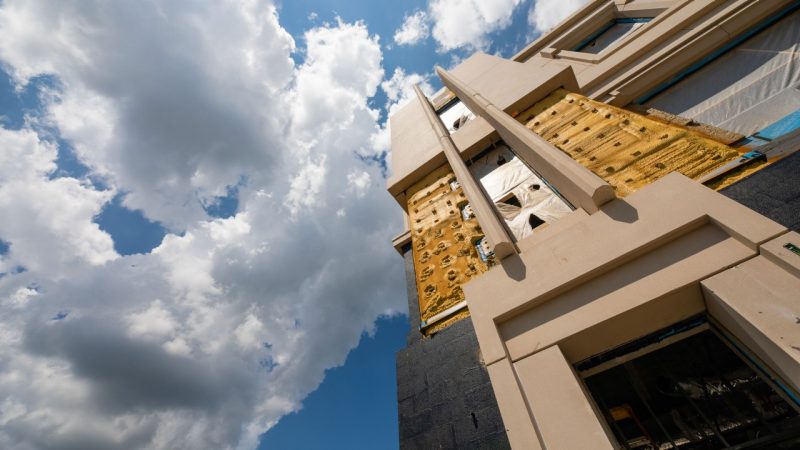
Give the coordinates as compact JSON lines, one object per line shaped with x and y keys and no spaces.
{"x":601,"y":280}
{"x":509,"y":85}
{"x":415,"y":146}
{"x":759,"y":302}
{"x":520,"y":427}
{"x":565,"y":416}
{"x":591,"y":282}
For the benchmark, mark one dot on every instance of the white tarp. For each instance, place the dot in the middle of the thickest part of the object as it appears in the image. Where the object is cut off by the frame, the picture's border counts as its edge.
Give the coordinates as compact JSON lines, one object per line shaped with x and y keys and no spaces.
{"x":746,"y":89}
{"x":499,"y":171}
{"x":456,"y":116}
{"x":541,"y":202}
{"x":502,"y":174}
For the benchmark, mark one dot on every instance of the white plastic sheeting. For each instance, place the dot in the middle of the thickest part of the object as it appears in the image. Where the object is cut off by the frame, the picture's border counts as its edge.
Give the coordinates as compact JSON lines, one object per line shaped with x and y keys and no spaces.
{"x":502,"y":174}
{"x":456,"y":116}
{"x":746,"y":89}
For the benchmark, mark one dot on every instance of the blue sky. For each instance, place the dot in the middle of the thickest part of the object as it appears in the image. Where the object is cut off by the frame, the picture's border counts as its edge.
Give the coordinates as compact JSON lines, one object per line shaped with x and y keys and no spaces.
{"x":194,"y":229}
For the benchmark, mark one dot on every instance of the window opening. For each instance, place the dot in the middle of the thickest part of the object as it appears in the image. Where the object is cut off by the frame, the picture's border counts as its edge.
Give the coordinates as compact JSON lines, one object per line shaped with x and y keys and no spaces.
{"x":792,"y":248}
{"x":695,"y":393}
{"x":512,"y":200}
{"x":534,"y":221}
{"x":610,"y":33}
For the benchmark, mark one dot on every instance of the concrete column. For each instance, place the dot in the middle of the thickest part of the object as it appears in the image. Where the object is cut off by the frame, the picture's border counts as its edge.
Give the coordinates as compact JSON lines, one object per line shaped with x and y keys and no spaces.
{"x":521,"y":430}
{"x":566,"y":417}
{"x":577,"y":183}
{"x":758,"y":302}
{"x":492,"y":225}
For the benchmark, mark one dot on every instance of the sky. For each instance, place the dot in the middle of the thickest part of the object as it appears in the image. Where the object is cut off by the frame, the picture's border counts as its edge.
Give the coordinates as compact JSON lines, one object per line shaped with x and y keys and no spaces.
{"x":195,"y":236}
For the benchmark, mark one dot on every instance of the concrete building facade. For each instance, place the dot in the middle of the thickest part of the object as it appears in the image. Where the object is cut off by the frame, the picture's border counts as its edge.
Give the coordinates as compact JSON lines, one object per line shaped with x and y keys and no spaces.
{"x":601,"y":235}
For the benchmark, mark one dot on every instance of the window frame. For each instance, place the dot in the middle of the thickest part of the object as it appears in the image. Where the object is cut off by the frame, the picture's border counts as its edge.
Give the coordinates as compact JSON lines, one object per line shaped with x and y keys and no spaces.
{"x":567,"y":46}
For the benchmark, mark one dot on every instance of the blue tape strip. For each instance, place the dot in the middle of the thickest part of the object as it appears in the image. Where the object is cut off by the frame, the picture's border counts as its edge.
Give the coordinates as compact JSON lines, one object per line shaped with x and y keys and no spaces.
{"x":787,"y":124}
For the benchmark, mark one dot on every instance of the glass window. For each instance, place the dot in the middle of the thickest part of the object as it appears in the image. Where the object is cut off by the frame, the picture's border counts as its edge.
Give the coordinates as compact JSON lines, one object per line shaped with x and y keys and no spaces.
{"x":610,"y":33}
{"x":693,"y":394}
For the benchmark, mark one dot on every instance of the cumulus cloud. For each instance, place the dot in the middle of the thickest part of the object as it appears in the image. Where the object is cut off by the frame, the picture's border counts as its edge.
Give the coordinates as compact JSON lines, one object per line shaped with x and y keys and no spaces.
{"x":166,"y":102}
{"x":47,"y":221}
{"x":545,"y":14}
{"x":466,"y":23}
{"x":210,"y":339}
{"x":414,"y":29}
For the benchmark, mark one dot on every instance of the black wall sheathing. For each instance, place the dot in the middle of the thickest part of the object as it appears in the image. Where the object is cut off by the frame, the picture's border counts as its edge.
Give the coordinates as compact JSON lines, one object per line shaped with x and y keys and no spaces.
{"x":445,"y":399}
{"x":773,"y":191}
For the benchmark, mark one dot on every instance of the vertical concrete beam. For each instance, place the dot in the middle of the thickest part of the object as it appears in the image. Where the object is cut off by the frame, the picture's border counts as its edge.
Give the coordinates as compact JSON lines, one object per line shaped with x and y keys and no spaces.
{"x":521,"y":430}
{"x":561,"y":407}
{"x":758,"y":301}
{"x":493,"y":228}
{"x":577,"y":183}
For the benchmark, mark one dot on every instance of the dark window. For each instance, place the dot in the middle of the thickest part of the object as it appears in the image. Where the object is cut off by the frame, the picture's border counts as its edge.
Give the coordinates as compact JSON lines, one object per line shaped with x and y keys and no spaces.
{"x":693,"y":394}
{"x":534,"y":221}
{"x":610,"y":33}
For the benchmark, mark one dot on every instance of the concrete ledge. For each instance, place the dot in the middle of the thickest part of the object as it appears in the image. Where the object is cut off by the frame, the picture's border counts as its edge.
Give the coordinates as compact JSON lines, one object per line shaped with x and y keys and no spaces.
{"x":474,"y":137}
{"x":622,"y":232}
{"x":509,"y":85}
{"x":401,"y":240}
{"x":661,"y":255}
{"x":769,"y":326}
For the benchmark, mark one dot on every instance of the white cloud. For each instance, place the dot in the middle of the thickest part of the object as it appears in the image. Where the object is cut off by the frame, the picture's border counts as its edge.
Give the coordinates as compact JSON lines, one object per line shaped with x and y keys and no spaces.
{"x":466,"y":23}
{"x":306,"y":186}
{"x":170,"y":112}
{"x":155,"y":321}
{"x":359,"y":182}
{"x":413,"y":30}
{"x":47,"y":221}
{"x":327,"y":86}
{"x":545,"y":14}
{"x":226,"y":327}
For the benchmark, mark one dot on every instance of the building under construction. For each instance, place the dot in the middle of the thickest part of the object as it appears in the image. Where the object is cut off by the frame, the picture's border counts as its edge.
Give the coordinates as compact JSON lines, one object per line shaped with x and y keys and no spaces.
{"x":601,"y":238}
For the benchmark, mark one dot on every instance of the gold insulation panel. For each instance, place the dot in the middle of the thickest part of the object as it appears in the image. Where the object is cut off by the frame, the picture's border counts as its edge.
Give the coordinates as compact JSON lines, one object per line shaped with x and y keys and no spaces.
{"x":443,"y":245}
{"x":625,"y":149}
